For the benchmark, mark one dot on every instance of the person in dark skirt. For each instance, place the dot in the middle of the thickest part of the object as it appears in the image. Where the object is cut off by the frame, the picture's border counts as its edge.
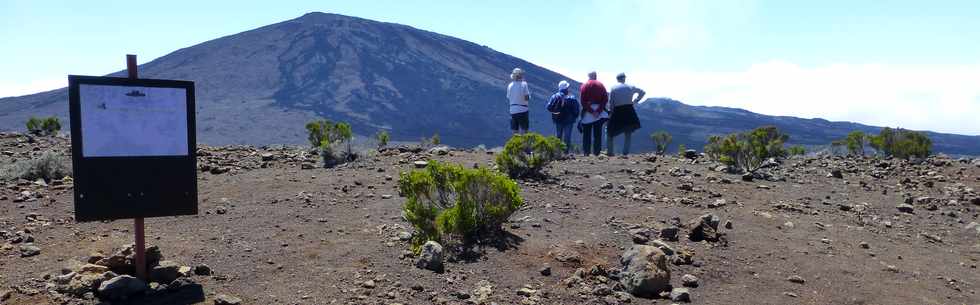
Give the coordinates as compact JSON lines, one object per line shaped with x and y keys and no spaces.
{"x":594,"y":114}
{"x":623,"y":119}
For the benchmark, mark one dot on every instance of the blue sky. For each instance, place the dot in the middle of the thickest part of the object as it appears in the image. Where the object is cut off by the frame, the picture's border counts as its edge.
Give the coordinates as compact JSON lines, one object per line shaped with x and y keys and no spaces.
{"x":910,"y":64}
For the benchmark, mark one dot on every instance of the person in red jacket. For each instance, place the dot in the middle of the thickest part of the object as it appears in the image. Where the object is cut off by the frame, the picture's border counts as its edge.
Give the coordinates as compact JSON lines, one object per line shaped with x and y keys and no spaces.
{"x":594,"y":114}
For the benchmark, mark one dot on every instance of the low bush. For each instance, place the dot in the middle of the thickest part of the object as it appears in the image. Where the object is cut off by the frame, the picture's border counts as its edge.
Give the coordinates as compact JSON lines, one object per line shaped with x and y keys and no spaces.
{"x":449,"y":203}
{"x":48,"y":126}
{"x":48,"y":166}
{"x":382,"y":137}
{"x":902,"y":143}
{"x":855,"y":142}
{"x":525,"y":155}
{"x":797,"y":150}
{"x":748,"y":150}
{"x":325,"y":135}
{"x":662,"y":140}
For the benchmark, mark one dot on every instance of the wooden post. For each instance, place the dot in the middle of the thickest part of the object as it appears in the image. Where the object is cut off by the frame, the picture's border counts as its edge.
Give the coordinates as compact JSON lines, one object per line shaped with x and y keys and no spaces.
{"x":138,"y":228}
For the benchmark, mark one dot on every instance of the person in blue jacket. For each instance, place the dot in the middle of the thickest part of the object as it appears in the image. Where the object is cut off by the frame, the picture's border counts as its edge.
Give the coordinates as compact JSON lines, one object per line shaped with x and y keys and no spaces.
{"x":564,"y":110}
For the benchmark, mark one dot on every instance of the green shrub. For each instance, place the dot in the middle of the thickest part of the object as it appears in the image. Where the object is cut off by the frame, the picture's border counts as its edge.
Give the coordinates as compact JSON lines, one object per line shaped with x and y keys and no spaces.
{"x":902,"y":143}
{"x":855,"y":142}
{"x":48,"y":166}
{"x":435,"y":140}
{"x":382,"y":137}
{"x":525,"y":155}
{"x":797,"y":150}
{"x":748,"y":150}
{"x":662,"y":140}
{"x":681,"y":148}
{"x":324,"y":135}
{"x":448,"y":203}
{"x":48,"y":126}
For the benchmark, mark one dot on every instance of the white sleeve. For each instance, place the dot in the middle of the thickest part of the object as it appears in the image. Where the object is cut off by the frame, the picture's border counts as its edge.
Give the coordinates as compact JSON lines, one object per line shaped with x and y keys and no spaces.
{"x":527,"y":91}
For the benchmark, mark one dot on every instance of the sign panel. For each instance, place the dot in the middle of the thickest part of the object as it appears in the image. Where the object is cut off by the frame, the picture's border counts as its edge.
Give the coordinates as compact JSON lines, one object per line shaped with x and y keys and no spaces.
{"x":133,"y":147}
{"x":122,"y":121}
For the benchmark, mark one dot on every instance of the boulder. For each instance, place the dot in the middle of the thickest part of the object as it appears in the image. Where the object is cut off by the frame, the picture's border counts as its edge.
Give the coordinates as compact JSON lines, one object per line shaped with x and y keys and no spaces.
{"x":165,"y":272}
{"x":84,"y":282}
{"x":669,"y":233}
{"x":430,"y":257}
{"x":121,"y":287}
{"x":690,"y":281}
{"x":836,"y":173}
{"x":28,"y":250}
{"x":680,"y":295}
{"x":645,"y":272}
{"x":704,"y":228}
{"x":439,"y":150}
{"x":202,"y":269}
{"x":691,"y":154}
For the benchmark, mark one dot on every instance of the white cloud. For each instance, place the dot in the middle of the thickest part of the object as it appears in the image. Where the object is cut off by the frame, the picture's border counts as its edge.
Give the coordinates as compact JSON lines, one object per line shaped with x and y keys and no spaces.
{"x":31,"y":86}
{"x":943,"y":98}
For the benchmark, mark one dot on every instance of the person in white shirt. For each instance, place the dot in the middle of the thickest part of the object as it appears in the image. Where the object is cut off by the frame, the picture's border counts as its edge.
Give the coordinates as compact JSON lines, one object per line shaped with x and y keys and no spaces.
{"x":622,"y":98}
{"x":518,"y":95}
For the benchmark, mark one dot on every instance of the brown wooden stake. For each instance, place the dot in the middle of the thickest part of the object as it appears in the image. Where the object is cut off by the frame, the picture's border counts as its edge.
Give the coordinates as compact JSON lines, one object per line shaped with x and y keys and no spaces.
{"x":138,"y":228}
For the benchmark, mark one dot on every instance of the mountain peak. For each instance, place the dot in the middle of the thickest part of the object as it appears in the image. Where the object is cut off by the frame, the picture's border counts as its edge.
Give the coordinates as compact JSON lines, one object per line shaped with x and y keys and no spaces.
{"x":321,"y":17}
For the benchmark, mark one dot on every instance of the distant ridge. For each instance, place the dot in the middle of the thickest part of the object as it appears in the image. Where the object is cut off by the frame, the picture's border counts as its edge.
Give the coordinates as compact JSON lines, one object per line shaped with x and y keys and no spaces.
{"x":260,"y":86}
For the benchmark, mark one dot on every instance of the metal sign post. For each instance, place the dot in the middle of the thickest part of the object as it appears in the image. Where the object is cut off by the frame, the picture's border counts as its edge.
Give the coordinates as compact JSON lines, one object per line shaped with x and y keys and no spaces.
{"x":138,"y":228}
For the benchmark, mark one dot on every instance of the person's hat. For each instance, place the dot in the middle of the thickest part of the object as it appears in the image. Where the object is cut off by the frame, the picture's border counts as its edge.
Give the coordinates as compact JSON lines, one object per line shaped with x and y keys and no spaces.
{"x":516,"y":73}
{"x":620,"y":75}
{"x":563,"y":85}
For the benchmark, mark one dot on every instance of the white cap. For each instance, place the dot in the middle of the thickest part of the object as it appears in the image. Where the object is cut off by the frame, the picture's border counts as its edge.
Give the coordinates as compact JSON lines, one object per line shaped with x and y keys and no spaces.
{"x":562,"y":85}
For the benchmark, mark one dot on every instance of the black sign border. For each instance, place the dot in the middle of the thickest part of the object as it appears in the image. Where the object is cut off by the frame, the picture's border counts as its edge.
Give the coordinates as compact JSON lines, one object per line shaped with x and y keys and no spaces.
{"x":86,"y":170}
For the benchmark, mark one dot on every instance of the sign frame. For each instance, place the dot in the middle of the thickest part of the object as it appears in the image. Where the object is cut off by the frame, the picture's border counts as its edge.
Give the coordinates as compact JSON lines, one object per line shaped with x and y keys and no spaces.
{"x":123,"y":187}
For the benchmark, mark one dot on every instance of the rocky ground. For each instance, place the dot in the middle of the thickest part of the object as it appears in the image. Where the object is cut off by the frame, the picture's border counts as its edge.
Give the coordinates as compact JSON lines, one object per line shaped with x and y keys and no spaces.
{"x":276,"y":229}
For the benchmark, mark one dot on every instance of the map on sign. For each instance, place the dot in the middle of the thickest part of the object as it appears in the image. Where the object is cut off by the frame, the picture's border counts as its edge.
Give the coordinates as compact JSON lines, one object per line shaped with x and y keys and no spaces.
{"x":126,"y":121}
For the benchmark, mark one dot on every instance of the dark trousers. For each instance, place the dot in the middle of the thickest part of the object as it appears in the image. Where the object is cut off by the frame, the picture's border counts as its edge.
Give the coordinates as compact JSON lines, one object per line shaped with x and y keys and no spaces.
{"x":592,"y":138}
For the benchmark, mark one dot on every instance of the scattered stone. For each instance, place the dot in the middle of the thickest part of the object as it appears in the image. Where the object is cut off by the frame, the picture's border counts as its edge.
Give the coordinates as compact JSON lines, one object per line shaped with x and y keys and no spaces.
{"x":224,"y":299}
{"x":905,"y":208}
{"x":690,"y":281}
{"x":430,"y":257}
{"x":747,"y":177}
{"x":796,"y":279}
{"x":680,"y":295}
{"x":268,"y":157}
{"x":836,"y":173}
{"x":645,"y":272}
{"x":165,"y":272}
{"x":545,"y":271}
{"x":28,"y":250}
{"x":864,"y":245}
{"x":93,"y":268}
{"x":439,"y":150}
{"x":404,"y":236}
{"x":121,"y":287}
{"x":483,"y":292}
{"x":718,"y":203}
{"x":420,"y":164}
{"x":704,"y":228}
{"x":202,"y":269}
{"x":669,"y":233}
{"x":565,"y":255}
{"x":369,"y":284}
{"x":932,"y":238}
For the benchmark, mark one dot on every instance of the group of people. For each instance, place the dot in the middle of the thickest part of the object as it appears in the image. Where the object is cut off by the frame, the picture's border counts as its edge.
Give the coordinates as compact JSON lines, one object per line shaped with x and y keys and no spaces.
{"x":597,"y":107}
